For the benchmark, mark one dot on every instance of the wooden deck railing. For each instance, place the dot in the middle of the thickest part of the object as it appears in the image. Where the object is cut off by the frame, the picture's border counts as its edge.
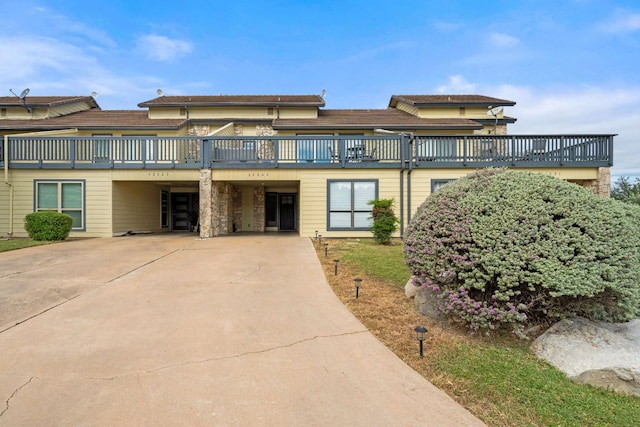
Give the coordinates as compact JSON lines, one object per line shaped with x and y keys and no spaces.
{"x":346,"y":151}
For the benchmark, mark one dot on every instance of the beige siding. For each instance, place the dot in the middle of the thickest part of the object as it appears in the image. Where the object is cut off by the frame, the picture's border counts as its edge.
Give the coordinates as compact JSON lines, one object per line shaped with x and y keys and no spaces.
{"x":97,"y":198}
{"x":237,"y":113}
{"x":136,"y":206}
{"x":402,"y":106}
{"x":313,"y":197}
{"x":4,"y":209}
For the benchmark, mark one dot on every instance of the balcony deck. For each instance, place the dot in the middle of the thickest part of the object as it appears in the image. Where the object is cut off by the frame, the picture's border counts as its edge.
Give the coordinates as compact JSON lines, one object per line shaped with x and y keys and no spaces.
{"x":389,"y":151}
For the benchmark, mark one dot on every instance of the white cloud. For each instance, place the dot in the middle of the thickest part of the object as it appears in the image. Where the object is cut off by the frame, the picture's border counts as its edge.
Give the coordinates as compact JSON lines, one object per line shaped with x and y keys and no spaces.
{"x":457,"y":84}
{"x":621,"y":22}
{"x":579,"y":110}
{"x":162,"y":48}
{"x":503,"y":40}
{"x":22,"y":57}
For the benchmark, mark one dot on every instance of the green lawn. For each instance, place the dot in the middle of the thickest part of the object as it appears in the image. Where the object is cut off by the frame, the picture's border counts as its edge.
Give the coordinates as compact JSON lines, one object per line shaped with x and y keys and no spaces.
{"x":12,"y":244}
{"x":500,"y":374}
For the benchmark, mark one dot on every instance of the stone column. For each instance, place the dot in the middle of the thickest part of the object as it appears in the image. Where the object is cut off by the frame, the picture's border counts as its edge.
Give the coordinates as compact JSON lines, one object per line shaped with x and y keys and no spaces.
{"x":604,"y":182}
{"x":258,"y":209}
{"x":206,"y":204}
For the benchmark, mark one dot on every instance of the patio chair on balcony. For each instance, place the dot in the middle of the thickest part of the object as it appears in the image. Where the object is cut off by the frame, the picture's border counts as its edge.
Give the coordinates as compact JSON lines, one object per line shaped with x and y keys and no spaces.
{"x":370,"y":156}
{"x":538,"y":150}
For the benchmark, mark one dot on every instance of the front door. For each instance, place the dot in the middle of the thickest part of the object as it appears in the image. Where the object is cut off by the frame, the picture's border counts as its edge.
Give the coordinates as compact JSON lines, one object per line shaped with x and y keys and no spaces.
{"x":182,"y":208}
{"x":287,"y":211}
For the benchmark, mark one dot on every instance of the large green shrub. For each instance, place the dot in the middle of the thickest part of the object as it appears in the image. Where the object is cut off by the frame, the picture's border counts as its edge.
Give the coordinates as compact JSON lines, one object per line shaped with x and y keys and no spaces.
{"x":48,"y":225}
{"x":506,"y":247}
{"x":385,"y":222}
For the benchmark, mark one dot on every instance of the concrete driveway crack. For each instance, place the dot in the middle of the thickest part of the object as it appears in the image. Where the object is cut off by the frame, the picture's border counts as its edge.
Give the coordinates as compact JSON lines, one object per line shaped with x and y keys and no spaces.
{"x":144,"y":265}
{"x":13,"y":395}
{"x":40,"y":313}
{"x":234,"y":356}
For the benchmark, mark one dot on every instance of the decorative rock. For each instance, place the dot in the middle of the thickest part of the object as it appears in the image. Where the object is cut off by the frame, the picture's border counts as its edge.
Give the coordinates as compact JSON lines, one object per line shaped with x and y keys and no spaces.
{"x":410,"y":289}
{"x":598,"y":353}
{"x":427,"y":304}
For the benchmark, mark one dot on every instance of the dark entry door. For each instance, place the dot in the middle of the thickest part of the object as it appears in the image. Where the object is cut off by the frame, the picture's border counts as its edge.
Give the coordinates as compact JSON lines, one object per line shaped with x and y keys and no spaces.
{"x":182,"y":211}
{"x":287,"y":208}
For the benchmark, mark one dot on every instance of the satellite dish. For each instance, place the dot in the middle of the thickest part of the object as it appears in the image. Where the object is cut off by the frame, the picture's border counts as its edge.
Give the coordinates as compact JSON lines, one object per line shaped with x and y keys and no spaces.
{"x":160,"y":92}
{"x":494,"y":111}
{"x":324,"y":93}
{"x":94,"y":94}
{"x":22,"y":95}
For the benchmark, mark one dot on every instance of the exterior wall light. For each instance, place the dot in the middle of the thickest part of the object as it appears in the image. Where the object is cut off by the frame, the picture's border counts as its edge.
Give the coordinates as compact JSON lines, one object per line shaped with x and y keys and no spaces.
{"x":420,"y":331}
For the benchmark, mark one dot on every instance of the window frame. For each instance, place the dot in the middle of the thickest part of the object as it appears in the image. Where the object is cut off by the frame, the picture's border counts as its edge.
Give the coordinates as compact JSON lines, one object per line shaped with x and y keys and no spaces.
{"x":352,"y":211}
{"x":59,"y":208}
{"x":437,"y":183}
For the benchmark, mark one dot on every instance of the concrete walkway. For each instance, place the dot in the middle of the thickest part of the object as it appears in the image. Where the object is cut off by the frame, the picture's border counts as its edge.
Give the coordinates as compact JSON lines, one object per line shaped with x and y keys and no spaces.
{"x":171,"y":330}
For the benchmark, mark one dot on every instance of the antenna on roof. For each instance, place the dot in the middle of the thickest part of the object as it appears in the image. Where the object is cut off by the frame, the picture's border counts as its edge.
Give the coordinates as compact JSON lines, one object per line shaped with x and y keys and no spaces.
{"x":22,"y":97}
{"x":160,"y":92}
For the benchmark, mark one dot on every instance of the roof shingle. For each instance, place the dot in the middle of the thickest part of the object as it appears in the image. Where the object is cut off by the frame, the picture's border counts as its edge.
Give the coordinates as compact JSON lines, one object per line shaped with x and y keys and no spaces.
{"x":370,"y":119}
{"x":235,"y":100}
{"x":450,"y":100}
{"x":44,"y":101}
{"x":96,"y":119}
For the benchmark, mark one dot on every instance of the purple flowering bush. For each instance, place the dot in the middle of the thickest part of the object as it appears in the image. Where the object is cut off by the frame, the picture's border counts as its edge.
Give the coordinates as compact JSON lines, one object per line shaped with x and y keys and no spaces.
{"x":503,"y":248}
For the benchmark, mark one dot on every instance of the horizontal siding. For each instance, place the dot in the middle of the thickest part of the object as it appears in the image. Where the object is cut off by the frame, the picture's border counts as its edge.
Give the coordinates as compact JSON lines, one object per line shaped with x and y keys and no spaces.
{"x":97,"y":199}
{"x":136,"y":206}
{"x":4,"y":209}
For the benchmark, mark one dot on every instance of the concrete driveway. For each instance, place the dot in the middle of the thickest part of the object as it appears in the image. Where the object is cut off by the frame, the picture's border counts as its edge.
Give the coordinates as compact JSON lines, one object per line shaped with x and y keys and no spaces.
{"x":171,"y":330}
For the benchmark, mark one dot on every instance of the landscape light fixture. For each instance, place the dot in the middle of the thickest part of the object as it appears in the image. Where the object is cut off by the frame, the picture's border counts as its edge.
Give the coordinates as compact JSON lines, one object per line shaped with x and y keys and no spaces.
{"x":358,"y":282}
{"x":420,"y":331}
{"x":316,"y":234}
{"x":335,"y":266}
{"x":319,"y":239}
{"x":326,"y":249}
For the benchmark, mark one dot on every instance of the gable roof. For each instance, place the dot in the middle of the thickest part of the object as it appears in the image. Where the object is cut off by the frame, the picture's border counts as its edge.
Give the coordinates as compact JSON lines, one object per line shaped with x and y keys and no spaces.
{"x":97,"y":119}
{"x":372,"y":119}
{"x":45,"y":101}
{"x":449,"y":100}
{"x":236,"y":100}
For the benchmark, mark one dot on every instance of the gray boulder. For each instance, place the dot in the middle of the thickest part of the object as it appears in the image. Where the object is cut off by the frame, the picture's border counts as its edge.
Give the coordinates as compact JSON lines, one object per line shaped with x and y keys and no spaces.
{"x":426,"y":303}
{"x":598,"y":353}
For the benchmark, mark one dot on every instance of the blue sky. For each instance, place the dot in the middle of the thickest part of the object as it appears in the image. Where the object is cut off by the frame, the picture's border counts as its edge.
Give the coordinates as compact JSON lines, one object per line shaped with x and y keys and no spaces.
{"x":572,"y":66}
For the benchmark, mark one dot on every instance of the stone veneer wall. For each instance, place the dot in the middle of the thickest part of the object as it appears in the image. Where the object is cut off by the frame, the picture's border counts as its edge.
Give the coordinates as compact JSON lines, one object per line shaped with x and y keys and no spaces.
{"x":600,"y":186}
{"x":206,"y":208}
{"x":199,"y":130}
{"x":258,"y":209}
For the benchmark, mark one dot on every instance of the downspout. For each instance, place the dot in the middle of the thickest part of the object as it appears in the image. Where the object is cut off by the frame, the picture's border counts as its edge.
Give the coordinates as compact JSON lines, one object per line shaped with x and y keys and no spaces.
{"x":5,"y":156}
{"x":6,"y":165}
{"x":410,"y":157}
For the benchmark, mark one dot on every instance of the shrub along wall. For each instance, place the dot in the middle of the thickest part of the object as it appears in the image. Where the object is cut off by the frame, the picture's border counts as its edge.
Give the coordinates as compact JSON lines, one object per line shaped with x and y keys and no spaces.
{"x":48,"y":225}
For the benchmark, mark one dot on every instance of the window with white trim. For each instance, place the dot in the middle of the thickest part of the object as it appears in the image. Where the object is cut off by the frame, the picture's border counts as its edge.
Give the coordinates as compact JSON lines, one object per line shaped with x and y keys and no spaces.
{"x":61,"y":196}
{"x":348,"y":204}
